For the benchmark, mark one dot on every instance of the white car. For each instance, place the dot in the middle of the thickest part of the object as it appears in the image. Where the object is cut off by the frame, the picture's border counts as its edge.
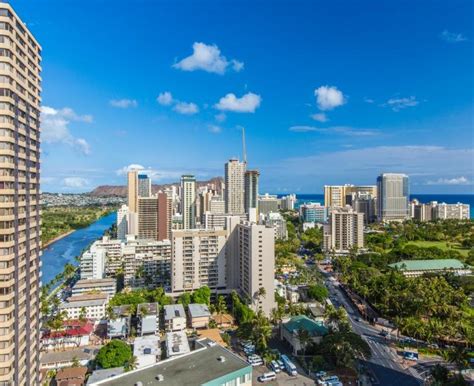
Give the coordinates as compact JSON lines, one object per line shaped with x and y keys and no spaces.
{"x":270,"y":376}
{"x":275,"y":366}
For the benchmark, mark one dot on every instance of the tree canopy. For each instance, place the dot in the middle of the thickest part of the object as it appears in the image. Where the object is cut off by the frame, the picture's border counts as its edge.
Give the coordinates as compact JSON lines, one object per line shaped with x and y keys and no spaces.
{"x":114,"y":354}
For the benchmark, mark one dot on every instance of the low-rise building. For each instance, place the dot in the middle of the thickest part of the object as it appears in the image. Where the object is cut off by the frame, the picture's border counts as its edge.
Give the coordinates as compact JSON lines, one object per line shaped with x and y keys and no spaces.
{"x":104,"y":374}
{"x":89,"y":306}
{"x":176,"y":343}
{"x":74,"y":333}
{"x":313,"y":213}
{"x":85,"y":286}
{"x":174,"y":317}
{"x":71,"y":376}
{"x":148,"y":318}
{"x":66,"y":358}
{"x":208,"y":365}
{"x":147,"y":350}
{"x":413,"y":268}
{"x":199,"y":315}
{"x":292,"y":293}
{"x":119,"y":325}
{"x":289,"y":331}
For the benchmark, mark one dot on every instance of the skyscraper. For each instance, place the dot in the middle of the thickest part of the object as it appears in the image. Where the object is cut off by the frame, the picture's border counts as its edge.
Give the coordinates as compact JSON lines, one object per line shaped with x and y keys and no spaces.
{"x":165,"y":213}
{"x":144,"y":185}
{"x":20,"y":58}
{"x":188,"y":201}
{"x":148,"y":218}
{"x":234,"y":186}
{"x":393,"y":197}
{"x":132,"y":191}
{"x":251,"y":190}
{"x":344,"y":231}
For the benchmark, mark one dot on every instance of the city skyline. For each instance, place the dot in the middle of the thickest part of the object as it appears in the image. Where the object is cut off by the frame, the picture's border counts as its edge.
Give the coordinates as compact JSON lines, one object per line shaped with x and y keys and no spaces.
{"x":320,"y":104}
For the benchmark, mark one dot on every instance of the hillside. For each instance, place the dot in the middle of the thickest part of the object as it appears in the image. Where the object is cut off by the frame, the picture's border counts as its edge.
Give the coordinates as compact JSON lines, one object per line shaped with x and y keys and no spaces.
{"x":121,"y":190}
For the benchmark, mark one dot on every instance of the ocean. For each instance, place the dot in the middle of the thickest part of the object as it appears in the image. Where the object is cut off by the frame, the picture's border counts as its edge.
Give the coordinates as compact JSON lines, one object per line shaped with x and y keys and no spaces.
{"x":424,"y":198}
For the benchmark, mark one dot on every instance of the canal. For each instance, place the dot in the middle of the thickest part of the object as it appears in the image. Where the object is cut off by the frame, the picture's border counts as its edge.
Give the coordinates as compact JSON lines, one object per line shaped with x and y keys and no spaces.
{"x":63,"y":251}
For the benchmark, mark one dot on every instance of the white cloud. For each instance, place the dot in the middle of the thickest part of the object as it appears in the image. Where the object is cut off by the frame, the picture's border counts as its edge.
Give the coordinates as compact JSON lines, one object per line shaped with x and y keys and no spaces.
{"x":208,"y":58}
{"x":165,"y":98}
{"x":55,"y":127}
{"x":215,"y":129}
{"x":343,"y":130}
{"x":397,"y":104}
{"x":123,"y":103}
{"x":329,"y":97}
{"x":123,"y":171}
{"x":369,"y":100}
{"x":320,"y":117}
{"x":221,"y":117}
{"x":75,"y":182}
{"x":186,"y":108}
{"x":450,"y":181}
{"x":452,"y":37}
{"x":248,"y":103}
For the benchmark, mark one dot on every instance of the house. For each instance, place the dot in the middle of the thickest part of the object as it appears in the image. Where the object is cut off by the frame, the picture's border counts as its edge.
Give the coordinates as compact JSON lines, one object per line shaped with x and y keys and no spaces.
{"x":147,"y":350}
{"x":414,"y":268}
{"x":104,"y":374}
{"x":90,"y":306}
{"x":176,"y":343}
{"x":289,"y":331}
{"x":174,"y":317}
{"x":199,"y":315}
{"x":148,"y":315}
{"x":292,"y":293}
{"x":74,"y":333}
{"x":317,"y":311}
{"x":210,"y":364}
{"x":223,"y":320}
{"x":71,"y":376}
{"x":66,"y":358}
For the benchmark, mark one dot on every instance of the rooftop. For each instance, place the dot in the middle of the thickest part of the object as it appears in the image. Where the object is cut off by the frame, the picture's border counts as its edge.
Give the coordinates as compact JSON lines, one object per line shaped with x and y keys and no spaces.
{"x":85,"y":301}
{"x":82,"y":353}
{"x":428,"y":265}
{"x":196,"y":368}
{"x":303,"y":322}
{"x":100,"y":375}
{"x":176,"y":343}
{"x":148,"y":308}
{"x":174,"y":311}
{"x":72,"y":328}
{"x":90,"y":283}
{"x":146,"y":345}
{"x":198,"y":310}
{"x":71,"y":373}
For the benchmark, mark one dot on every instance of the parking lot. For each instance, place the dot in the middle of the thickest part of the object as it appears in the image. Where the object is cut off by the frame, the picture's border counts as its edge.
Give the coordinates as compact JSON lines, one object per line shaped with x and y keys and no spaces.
{"x":282,"y":378}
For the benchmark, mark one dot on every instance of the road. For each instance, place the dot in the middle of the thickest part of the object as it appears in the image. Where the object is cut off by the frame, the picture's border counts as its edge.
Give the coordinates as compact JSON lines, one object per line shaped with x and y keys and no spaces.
{"x":385,"y":363}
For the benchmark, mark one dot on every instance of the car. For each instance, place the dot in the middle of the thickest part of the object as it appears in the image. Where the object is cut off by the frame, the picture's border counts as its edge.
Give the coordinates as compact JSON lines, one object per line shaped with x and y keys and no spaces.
{"x":270,"y":376}
{"x":357,"y":319}
{"x":383,"y":333}
{"x":275,"y":366}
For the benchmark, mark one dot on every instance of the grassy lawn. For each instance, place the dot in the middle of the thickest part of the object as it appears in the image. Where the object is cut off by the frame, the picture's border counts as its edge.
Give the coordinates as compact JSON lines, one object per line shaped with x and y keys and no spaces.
{"x":440,"y":245}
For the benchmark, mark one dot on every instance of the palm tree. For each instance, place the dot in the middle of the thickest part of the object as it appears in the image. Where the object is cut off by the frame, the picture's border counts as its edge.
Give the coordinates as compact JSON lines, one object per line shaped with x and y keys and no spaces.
{"x":304,"y":337}
{"x":221,"y":306}
{"x":261,"y":330}
{"x":131,"y":364}
{"x":460,"y":357}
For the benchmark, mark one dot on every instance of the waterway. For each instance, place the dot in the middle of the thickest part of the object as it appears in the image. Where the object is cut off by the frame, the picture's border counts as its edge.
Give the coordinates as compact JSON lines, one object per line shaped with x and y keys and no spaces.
{"x":63,"y":251}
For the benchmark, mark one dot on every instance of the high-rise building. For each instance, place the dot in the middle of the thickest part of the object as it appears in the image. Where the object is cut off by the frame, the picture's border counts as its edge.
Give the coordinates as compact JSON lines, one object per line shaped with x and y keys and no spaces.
{"x":234,"y":186}
{"x":452,"y":211}
{"x":93,"y":263}
{"x":165,"y":213}
{"x":20,"y":243}
{"x":393,"y":197}
{"x":314,"y":212}
{"x":366,"y":203}
{"x":340,"y":195}
{"x":344,"y":231}
{"x":256,"y":259}
{"x":122,"y":222}
{"x":132,"y":191}
{"x":251,"y":190}
{"x":198,"y":259}
{"x":144,"y":185}
{"x":148,"y":218}
{"x":268,"y":203}
{"x":288,"y":202}
{"x":188,"y":201}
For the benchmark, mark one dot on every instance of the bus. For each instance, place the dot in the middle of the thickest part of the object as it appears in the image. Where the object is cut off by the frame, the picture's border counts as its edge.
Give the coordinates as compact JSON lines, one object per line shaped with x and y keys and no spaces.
{"x":289,"y":365}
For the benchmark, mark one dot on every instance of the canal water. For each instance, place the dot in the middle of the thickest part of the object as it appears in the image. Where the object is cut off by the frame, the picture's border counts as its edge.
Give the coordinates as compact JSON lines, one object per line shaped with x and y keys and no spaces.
{"x":63,"y":251}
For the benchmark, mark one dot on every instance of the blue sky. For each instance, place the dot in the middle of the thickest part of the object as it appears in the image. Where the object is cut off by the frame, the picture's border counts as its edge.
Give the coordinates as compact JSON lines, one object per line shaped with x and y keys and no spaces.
{"x":329,"y":92}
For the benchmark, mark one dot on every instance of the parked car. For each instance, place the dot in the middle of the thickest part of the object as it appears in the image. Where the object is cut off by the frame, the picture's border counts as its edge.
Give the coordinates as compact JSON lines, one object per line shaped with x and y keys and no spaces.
{"x":275,"y":366}
{"x":270,"y":376}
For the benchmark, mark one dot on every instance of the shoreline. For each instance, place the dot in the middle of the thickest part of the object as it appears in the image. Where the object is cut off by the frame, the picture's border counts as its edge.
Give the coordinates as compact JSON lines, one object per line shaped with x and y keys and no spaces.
{"x":47,"y":244}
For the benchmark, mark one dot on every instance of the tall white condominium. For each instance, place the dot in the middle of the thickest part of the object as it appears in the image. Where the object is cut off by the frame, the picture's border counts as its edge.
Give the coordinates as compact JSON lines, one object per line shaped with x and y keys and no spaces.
{"x":234,"y":186}
{"x":188,"y":201}
{"x":251,"y":193}
{"x":132,"y":191}
{"x":144,"y":185}
{"x":393,"y":197}
{"x":20,"y":58}
{"x":344,"y":231}
{"x":256,"y":258}
{"x":198,"y":259}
